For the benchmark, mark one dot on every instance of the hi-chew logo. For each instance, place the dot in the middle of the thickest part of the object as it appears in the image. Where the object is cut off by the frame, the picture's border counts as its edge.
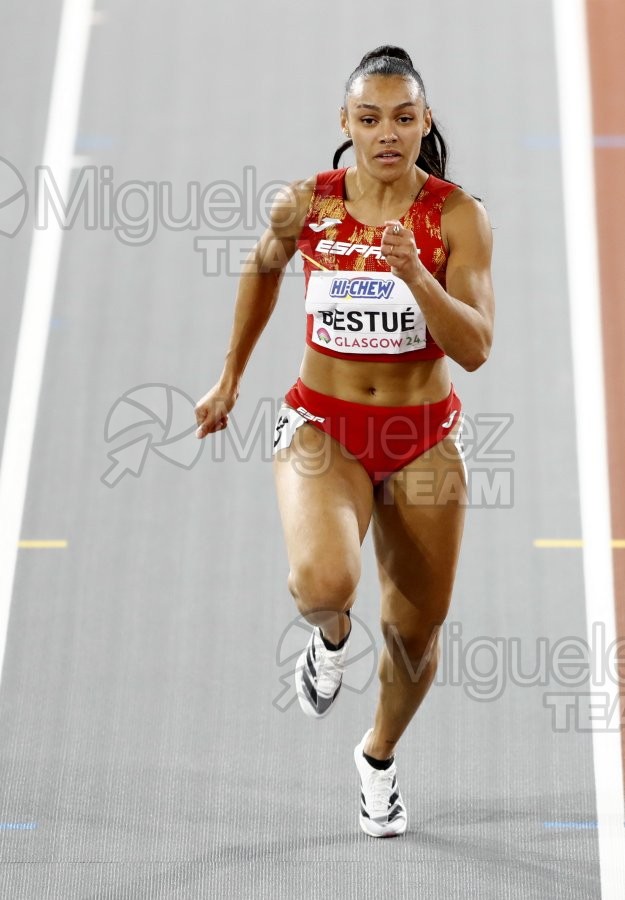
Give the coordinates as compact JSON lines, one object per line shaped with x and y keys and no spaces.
{"x":362,"y":287}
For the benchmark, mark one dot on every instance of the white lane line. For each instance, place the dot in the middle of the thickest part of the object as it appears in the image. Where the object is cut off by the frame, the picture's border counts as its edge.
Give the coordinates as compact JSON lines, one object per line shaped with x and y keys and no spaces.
{"x":58,"y":154}
{"x":574,"y":88}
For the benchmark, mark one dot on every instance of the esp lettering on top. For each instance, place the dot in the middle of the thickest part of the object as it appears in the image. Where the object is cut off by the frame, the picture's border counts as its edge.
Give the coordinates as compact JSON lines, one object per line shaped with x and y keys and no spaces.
{"x":342,"y":248}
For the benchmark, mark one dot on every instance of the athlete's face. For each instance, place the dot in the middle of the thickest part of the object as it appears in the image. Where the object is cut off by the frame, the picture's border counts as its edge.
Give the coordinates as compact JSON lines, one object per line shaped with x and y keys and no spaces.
{"x":386,"y":118}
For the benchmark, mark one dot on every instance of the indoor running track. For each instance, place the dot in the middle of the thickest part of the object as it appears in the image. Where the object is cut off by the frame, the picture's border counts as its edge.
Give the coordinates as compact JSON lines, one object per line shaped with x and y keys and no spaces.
{"x":148,"y":746}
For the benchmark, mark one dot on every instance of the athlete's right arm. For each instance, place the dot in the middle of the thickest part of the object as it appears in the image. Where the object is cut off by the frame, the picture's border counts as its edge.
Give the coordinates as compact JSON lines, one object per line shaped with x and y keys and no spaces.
{"x":256,"y":298}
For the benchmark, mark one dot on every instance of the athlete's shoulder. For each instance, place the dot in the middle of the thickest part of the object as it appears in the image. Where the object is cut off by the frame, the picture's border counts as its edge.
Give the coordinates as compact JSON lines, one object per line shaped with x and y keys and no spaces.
{"x":460,"y":204}
{"x":294,"y":202}
{"x":465,"y":217}
{"x":452,"y":194}
{"x":290,"y":206}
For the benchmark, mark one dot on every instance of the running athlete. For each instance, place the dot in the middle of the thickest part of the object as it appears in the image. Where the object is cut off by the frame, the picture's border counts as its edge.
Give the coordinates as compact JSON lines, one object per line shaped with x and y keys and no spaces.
{"x":397,"y":267}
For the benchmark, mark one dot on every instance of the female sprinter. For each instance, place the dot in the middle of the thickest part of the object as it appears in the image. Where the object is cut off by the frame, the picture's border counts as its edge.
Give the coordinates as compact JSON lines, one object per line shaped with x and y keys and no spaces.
{"x":397,"y":265}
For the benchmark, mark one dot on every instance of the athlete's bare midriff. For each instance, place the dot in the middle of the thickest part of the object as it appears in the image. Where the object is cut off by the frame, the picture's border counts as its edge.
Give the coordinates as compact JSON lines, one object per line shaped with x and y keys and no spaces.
{"x":379,"y":383}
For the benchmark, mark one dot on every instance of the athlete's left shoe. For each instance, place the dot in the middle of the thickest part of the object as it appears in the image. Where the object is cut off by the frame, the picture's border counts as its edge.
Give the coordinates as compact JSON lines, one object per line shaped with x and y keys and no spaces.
{"x":319,"y":675}
{"x":382,"y":810}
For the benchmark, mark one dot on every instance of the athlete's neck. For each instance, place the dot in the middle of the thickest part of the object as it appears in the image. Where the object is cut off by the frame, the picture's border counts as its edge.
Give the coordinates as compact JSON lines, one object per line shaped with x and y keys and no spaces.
{"x":361,"y":186}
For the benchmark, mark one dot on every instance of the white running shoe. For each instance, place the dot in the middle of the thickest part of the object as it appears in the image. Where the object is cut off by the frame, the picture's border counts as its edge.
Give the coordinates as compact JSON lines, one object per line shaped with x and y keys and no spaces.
{"x":382,"y":810}
{"x":318,"y":675}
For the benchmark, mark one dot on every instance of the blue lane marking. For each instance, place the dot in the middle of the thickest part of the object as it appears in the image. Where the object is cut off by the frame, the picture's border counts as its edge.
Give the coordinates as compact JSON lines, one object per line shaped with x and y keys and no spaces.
{"x":17,"y":826}
{"x":93,"y":142}
{"x":584,"y":826}
{"x":610,"y":141}
{"x":542,"y":141}
{"x":552,"y":141}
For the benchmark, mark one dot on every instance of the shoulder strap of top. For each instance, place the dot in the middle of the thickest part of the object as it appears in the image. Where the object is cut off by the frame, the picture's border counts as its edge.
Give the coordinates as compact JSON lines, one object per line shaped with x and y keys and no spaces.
{"x":440,"y":187}
{"x":327,"y":184}
{"x":330,"y":183}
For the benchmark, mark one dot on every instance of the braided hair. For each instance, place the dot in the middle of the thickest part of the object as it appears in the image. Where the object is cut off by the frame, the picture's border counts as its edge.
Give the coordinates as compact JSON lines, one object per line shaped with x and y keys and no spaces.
{"x":388,"y":60}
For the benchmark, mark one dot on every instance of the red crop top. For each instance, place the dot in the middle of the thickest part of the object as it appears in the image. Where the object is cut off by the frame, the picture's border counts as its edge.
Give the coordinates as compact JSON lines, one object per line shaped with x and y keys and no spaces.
{"x":356,"y":308}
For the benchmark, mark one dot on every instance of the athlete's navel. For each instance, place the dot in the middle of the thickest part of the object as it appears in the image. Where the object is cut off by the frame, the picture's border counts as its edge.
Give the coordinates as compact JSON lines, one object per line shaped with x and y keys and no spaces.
{"x":372,"y":391}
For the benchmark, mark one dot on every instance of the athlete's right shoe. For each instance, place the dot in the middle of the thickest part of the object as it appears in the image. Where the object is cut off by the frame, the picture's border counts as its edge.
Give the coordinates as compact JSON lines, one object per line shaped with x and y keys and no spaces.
{"x":318,"y":675}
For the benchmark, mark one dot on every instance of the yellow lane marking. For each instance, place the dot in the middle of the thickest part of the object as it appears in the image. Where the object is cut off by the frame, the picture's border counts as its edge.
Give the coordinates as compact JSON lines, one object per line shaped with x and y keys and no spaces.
{"x":42,"y":545}
{"x":544,"y":543}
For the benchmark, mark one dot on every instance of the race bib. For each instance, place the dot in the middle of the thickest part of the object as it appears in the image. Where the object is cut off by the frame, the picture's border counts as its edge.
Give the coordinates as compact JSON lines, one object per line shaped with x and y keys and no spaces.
{"x":364,"y":312}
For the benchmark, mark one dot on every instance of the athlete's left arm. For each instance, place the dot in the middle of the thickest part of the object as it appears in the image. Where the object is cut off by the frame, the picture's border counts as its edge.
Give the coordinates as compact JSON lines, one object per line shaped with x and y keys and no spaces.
{"x":460,"y":318}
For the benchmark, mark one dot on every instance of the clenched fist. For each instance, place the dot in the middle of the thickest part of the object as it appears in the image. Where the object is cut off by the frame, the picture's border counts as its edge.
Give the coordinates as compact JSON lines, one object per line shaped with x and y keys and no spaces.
{"x":211,"y":412}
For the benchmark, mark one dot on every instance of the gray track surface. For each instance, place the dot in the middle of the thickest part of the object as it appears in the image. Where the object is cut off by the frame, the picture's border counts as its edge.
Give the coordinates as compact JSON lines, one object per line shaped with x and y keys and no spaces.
{"x":139,"y":711}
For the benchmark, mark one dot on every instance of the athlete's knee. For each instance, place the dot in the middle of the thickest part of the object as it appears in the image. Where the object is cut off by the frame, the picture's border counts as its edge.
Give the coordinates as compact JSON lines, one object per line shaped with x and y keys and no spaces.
{"x":319,"y":586}
{"x":413,"y":645}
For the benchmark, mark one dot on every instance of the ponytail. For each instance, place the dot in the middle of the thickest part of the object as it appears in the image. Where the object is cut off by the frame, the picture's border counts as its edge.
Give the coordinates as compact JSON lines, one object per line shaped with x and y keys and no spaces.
{"x":433,"y":155}
{"x":340,"y":151}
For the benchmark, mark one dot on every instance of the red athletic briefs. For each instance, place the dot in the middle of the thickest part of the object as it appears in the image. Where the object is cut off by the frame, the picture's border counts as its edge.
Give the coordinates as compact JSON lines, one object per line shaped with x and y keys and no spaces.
{"x":383,"y":438}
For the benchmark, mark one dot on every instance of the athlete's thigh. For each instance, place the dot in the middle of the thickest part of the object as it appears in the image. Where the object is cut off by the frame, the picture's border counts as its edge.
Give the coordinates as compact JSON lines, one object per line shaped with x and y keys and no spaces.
{"x":325,"y":499}
{"x":418,"y":519}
